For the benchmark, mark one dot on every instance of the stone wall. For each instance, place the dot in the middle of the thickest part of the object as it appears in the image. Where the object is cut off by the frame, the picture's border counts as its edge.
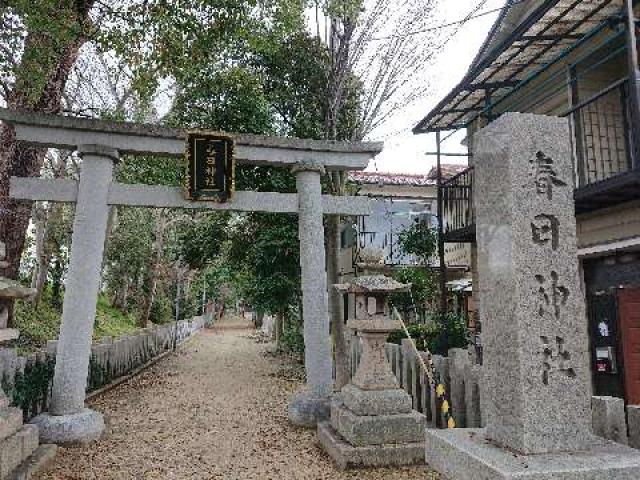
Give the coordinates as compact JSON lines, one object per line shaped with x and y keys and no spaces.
{"x":27,"y":379}
{"x":464,"y":387}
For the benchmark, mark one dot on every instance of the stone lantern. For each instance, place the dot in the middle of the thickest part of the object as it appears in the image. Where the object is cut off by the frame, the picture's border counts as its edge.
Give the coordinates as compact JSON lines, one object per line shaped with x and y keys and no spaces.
{"x":372,"y":419}
{"x":9,"y":290}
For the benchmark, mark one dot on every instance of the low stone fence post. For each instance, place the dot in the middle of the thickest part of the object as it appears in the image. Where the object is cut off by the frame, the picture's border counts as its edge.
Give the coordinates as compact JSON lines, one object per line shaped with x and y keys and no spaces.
{"x":473,"y":396}
{"x":609,"y":419}
{"x":464,"y":384}
{"x":633,"y":420}
{"x":458,"y":362}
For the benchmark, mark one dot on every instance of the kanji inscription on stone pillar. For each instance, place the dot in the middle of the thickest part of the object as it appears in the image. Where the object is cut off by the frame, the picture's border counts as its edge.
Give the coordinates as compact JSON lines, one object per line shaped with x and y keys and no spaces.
{"x":532,"y":308}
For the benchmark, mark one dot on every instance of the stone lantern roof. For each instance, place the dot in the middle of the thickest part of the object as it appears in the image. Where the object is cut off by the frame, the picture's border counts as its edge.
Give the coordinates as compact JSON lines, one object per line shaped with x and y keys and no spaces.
{"x":12,"y":289}
{"x":373,"y":284}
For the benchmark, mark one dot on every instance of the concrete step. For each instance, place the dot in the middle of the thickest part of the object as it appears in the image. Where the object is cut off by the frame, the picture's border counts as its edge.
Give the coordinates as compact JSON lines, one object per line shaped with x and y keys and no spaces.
{"x":10,"y":421}
{"x":37,"y":462}
{"x":17,"y":448}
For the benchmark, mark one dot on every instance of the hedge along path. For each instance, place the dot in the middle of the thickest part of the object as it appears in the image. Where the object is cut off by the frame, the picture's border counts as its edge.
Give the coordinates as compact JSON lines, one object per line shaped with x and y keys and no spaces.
{"x":215,"y":410}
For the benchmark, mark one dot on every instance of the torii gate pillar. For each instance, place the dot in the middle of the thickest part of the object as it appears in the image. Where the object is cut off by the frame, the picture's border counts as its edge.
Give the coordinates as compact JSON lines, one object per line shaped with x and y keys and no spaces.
{"x":68,"y":420}
{"x":311,"y":406}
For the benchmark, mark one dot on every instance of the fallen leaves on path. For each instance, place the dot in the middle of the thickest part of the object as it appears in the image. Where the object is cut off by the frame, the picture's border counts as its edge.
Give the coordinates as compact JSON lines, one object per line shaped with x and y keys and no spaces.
{"x":215,"y":410}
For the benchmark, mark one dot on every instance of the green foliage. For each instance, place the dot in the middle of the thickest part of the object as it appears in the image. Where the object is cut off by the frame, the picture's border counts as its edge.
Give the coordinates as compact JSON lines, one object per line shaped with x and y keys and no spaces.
{"x":423,"y":291}
{"x":110,"y":321}
{"x":428,"y":335}
{"x":150,"y":170}
{"x":421,"y":333}
{"x":266,"y":246}
{"x":38,"y":325}
{"x":420,"y":240}
{"x":49,"y":27}
{"x":199,"y":241}
{"x":127,"y":256}
{"x":162,"y":308}
{"x":30,"y":389}
{"x":292,"y":340}
{"x":296,"y":90}
{"x":345,"y":9}
{"x":231,"y":99}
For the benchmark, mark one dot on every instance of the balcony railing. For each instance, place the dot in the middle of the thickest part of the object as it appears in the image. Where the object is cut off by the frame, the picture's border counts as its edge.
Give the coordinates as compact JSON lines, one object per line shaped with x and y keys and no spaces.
{"x":385,"y":245}
{"x":602,"y":135}
{"x":457,"y":207}
{"x":604,"y":170}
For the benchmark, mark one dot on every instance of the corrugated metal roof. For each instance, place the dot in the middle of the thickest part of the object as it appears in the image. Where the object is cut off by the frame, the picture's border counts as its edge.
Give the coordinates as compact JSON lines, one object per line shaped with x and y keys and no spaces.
{"x":376,"y":178}
{"x":509,"y":58}
{"x":448,"y":170}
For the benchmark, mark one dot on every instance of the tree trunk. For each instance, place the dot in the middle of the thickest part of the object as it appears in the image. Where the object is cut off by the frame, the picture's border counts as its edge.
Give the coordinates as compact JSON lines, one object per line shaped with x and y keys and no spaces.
{"x":259,"y":319}
{"x":41,"y":268}
{"x":279,"y":329}
{"x":337,"y":323}
{"x":122,"y":296}
{"x":56,"y":283}
{"x":112,"y":220}
{"x":17,"y":159}
{"x":154,"y":267}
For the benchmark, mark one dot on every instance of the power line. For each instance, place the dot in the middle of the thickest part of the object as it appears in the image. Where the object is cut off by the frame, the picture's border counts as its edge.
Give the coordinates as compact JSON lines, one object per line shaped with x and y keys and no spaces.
{"x":471,"y":16}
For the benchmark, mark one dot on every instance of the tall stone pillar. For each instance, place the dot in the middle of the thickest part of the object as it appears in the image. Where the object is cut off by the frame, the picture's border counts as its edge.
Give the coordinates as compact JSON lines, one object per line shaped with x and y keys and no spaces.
{"x":535,"y":331}
{"x":311,"y":405}
{"x":68,"y":420}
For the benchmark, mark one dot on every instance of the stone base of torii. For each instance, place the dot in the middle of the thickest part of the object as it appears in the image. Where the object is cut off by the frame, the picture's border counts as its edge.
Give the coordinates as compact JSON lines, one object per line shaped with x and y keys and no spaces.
{"x":100,"y":144}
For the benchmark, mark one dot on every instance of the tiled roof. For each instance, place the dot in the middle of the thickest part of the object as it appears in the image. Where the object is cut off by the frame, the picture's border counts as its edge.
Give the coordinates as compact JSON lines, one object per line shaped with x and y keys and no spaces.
{"x":448,"y":171}
{"x":377,"y":178}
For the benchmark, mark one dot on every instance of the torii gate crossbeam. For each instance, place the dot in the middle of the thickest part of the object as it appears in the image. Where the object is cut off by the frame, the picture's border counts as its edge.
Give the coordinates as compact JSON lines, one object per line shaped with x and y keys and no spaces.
{"x":101,"y":144}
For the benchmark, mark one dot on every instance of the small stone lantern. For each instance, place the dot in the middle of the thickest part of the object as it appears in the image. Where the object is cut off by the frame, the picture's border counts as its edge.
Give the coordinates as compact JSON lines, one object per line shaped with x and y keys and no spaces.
{"x":9,"y":290}
{"x":372,"y":419}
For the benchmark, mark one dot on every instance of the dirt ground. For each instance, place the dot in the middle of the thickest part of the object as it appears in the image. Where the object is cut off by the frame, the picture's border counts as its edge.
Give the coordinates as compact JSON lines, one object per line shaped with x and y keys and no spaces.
{"x":214,"y":410}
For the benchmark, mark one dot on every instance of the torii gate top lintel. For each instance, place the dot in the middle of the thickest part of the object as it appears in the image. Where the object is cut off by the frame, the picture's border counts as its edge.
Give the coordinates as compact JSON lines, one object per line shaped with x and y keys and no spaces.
{"x":134,"y":138}
{"x":100,"y":144}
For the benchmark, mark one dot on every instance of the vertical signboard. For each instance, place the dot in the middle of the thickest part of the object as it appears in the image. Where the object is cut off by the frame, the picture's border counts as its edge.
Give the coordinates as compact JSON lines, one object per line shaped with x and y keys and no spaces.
{"x":210,"y":166}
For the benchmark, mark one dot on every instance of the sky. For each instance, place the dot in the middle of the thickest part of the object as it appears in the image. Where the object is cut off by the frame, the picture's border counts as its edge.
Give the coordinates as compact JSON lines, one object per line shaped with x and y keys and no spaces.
{"x":405,"y":152}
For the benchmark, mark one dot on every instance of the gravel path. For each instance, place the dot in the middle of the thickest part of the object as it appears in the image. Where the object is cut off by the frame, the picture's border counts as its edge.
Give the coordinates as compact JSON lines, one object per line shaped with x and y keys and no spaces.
{"x":215,"y":410}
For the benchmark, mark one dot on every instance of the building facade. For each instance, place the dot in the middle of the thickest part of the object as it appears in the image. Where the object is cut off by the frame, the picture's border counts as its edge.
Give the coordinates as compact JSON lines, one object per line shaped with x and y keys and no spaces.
{"x":578,"y":60}
{"x":374,"y":239}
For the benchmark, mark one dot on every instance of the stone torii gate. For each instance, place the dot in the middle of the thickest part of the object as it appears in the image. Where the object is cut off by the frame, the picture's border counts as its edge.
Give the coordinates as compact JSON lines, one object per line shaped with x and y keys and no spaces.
{"x":100,"y":144}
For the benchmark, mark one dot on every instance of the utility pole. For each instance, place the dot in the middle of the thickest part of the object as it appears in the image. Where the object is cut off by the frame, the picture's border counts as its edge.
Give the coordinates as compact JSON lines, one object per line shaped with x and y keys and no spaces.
{"x":180,"y":272}
{"x":634,"y":85}
{"x":204,"y":294}
{"x":444,"y":339}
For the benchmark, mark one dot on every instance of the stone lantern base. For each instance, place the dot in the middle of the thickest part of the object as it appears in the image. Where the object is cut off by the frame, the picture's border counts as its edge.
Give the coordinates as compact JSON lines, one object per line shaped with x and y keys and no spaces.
{"x":371,"y":428}
{"x":346,"y":455}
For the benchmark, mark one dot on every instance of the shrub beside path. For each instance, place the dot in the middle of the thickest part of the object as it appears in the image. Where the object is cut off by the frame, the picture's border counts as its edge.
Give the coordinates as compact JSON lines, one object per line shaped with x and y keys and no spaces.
{"x":214,"y":410}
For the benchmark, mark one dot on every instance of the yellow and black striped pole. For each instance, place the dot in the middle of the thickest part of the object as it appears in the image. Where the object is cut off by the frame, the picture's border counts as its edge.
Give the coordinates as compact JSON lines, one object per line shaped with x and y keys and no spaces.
{"x":442,"y":398}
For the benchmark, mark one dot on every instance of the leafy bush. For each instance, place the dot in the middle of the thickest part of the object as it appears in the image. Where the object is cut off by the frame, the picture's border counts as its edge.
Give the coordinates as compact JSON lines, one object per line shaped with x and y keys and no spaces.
{"x":420,"y":240}
{"x":39,"y":324}
{"x":30,"y":389}
{"x":429,"y":335}
{"x":421,"y":334}
{"x":162,"y":309}
{"x":423,"y":291}
{"x":292,"y":340}
{"x":36,"y":325}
